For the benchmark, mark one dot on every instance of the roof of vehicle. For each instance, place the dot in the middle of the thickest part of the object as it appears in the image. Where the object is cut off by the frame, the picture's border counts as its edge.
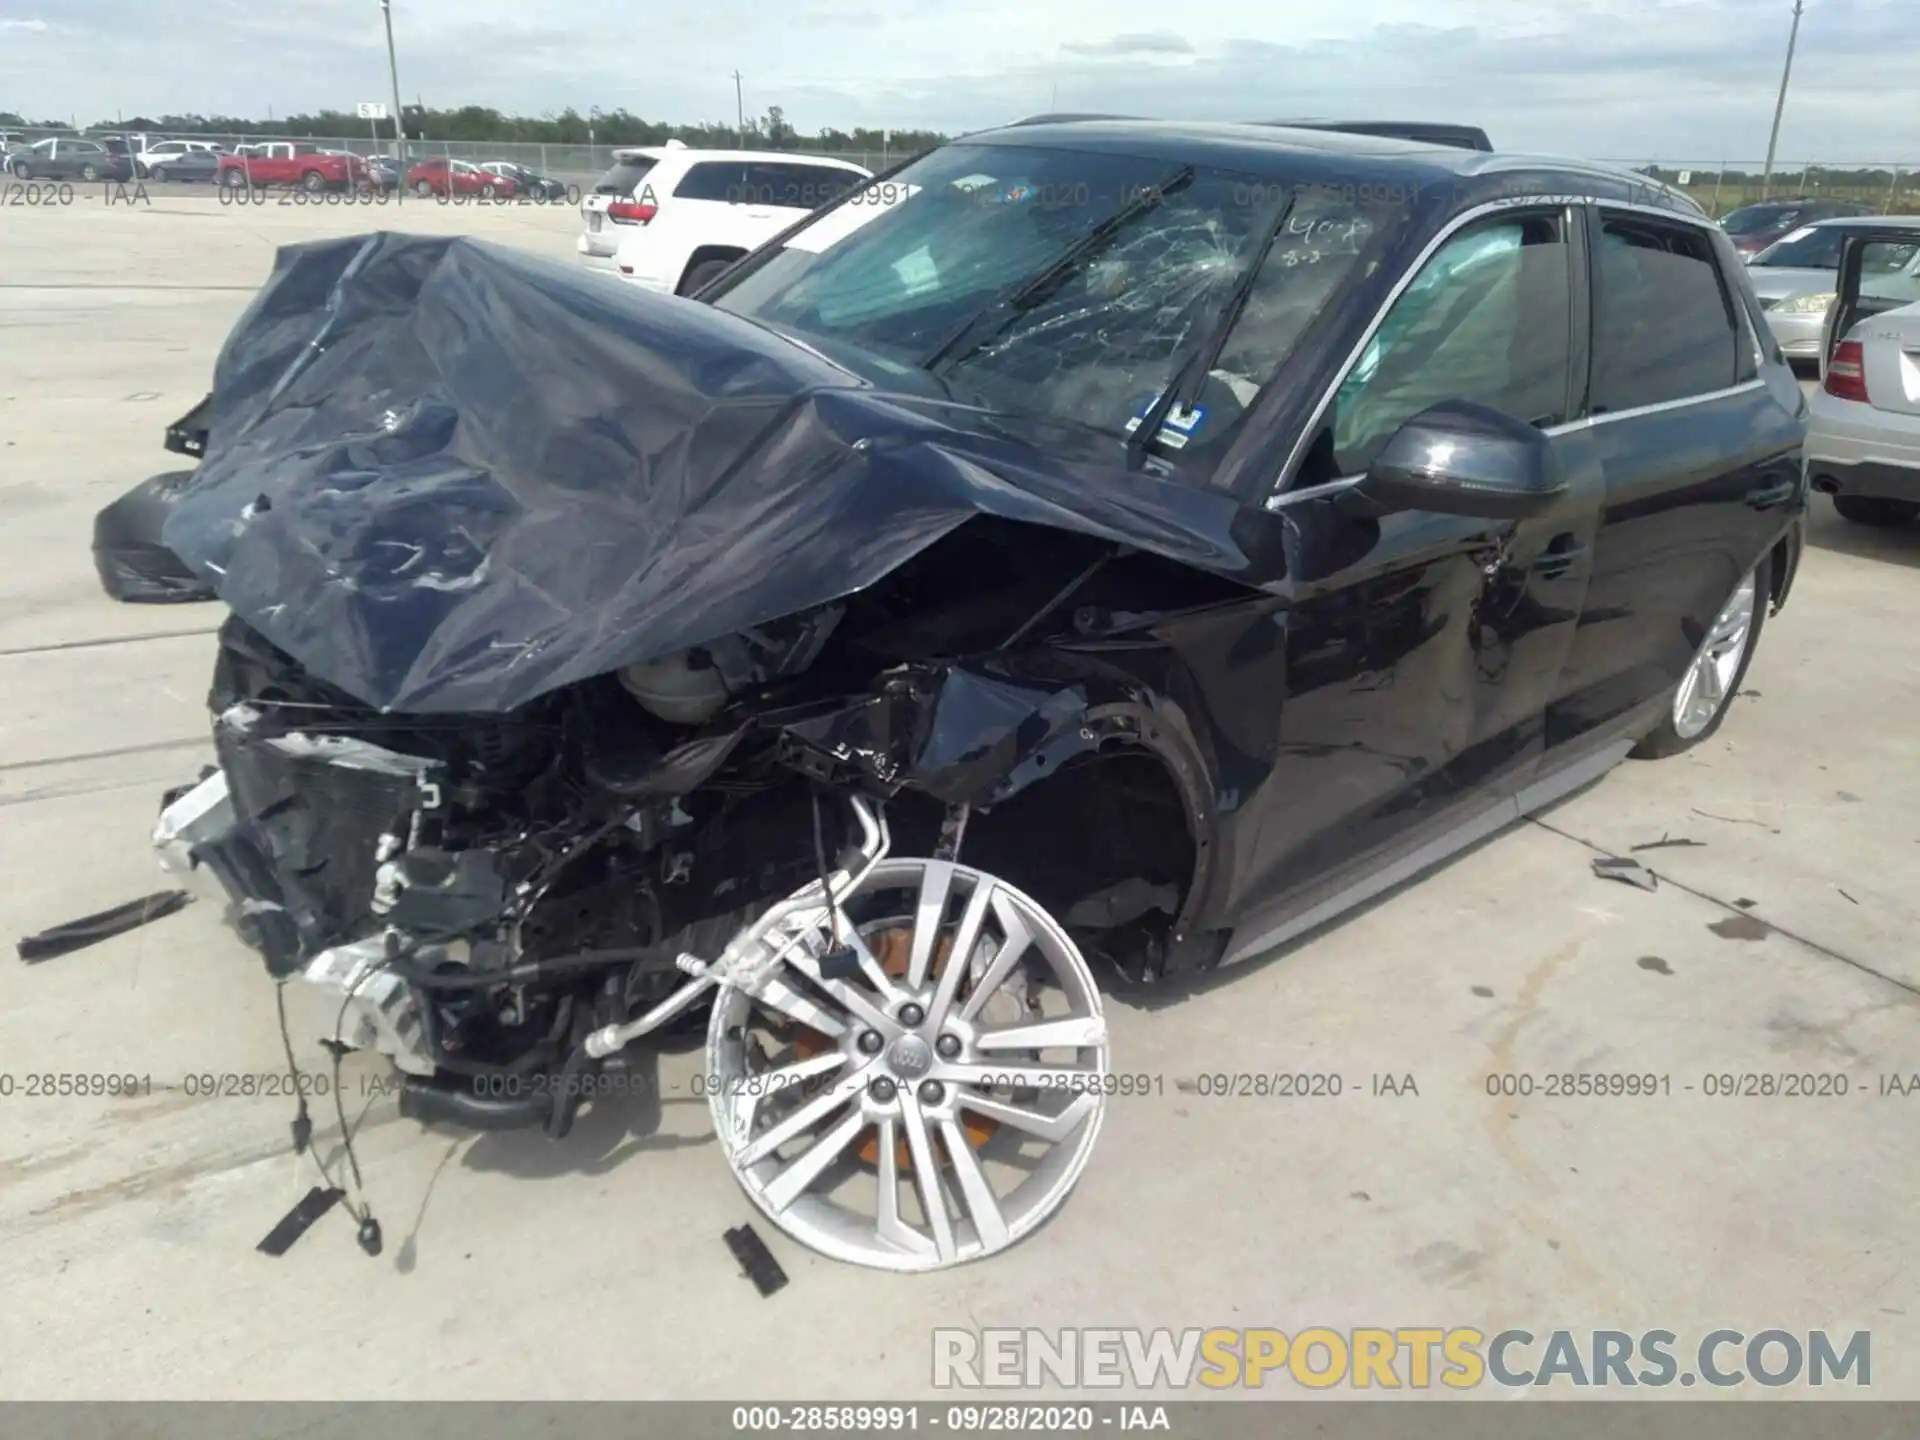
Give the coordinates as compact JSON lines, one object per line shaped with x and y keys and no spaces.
{"x":1261,"y":148}
{"x":1903,"y":222}
{"x":660,"y":152}
{"x":1437,"y":132}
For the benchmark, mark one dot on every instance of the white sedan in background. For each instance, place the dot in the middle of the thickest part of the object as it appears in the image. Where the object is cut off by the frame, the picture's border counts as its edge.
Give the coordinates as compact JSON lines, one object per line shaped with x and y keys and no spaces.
{"x":1863,"y":434}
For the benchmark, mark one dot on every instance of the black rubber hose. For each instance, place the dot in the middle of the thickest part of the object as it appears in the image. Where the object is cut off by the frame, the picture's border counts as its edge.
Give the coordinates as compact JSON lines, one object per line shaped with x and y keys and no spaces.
{"x":525,"y":973}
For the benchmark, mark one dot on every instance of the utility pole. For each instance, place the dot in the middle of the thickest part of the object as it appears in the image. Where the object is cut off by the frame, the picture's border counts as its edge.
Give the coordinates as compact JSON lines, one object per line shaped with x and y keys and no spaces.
{"x":739,"y":109}
{"x":1766,"y":178}
{"x":393,"y":77}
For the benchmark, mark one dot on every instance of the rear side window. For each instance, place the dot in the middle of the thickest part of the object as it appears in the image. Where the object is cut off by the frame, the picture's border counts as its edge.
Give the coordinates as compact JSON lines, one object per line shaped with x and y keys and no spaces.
{"x":722,"y":180}
{"x":1664,"y":326}
{"x":624,"y":178}
{"x":795,"y":186}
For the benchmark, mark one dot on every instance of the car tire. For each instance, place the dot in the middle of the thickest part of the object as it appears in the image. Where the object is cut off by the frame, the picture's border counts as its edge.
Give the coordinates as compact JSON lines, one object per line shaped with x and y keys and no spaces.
{"x":234,"y":179}
{"x":423,"y":188}
{"x":1872,"y":510}
{"x":487,"y":192}
{"x":22,"y":170}
{"x":158,"y":173}
{"x":1716,"y":672}
{"x":89,"y":172}
{"x":697,"y":276}
{"x":312,"y":181}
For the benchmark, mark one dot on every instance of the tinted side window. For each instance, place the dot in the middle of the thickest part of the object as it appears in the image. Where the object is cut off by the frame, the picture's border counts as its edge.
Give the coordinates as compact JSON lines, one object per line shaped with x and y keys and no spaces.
{"x":795,"y":186}
{"x":715,"y":180}
{"x":1664,"y":328}
{"x":1488,"y":319}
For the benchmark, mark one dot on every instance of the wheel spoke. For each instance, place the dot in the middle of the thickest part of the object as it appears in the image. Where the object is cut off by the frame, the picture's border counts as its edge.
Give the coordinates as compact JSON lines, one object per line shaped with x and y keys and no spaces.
{"x":936,"y":883}
{"x":887,"y":1222}
{"x":1051,"y":1128}
{"x":965,"y":937}
{"x":1001,"y":966}
{"x":857,"y":1004}
{"x":804,"y":1117}
{"x":777,"y":994}
{"x":1077,"y":1032}
{"x":975,"y":1189}
{"x":926,"y":1179}
{"x":791,"y":1183}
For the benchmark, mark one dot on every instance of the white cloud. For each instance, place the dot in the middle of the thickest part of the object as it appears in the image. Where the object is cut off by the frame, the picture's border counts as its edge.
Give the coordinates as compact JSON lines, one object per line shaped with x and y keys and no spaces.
{"x":1621,"y":79}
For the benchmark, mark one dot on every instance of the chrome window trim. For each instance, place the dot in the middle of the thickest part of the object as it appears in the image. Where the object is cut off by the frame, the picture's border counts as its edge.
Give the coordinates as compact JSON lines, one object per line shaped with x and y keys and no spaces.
{"x":1280,"y":497}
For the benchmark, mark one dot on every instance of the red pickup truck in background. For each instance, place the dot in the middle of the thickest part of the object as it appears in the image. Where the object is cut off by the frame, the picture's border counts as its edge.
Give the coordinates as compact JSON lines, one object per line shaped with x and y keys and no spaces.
{"x":281,"y":163}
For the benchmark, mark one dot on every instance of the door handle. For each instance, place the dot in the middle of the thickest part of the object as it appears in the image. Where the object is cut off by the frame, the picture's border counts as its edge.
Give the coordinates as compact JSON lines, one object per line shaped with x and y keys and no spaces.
{"x":1559,"y":557}
{"x":1770,"y":497}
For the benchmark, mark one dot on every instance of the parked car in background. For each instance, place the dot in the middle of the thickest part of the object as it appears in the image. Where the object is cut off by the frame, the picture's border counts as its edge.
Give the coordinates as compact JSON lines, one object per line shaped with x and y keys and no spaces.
{"x":1863,"y":437}
{"x":458,"y":178}
{"x":382,"y":173}
{"x":1795,"y":277}
{"x":165,"y":165}
{"x":12,"y":140}
{"x":600,"y":229}
{"x":701,"y":210}
{"x":1754,"y":227}
{"x":530,"y":183}
{"x":66,"y":158}
{"x":291,"y":163}
{"x":166,"y":152}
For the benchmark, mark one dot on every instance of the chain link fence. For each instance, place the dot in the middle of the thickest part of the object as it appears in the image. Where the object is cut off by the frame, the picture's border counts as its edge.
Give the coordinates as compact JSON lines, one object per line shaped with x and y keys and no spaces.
{"x":1721,"y":186}
{"x":577,"y":164}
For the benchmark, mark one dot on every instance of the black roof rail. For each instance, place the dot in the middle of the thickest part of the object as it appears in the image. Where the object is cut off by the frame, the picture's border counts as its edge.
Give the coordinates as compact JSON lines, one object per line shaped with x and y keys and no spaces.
{"x":1426,"y":132}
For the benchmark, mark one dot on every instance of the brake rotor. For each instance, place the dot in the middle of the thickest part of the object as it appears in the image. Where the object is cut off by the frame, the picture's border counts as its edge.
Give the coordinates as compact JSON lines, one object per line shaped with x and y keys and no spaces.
{"x":893,"y":948}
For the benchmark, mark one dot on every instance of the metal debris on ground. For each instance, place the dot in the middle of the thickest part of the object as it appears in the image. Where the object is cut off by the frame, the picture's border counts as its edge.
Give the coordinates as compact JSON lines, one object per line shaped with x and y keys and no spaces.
{"x":1671,"y":842}
{"x":755,"y":1259}
{"x":297,"y":1221}
{"x":91,"y":929}
{"x":1631,"y":872}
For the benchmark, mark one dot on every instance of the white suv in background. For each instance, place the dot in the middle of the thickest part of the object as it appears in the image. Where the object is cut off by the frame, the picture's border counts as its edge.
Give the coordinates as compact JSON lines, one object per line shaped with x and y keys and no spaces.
{"x":671,"y":218}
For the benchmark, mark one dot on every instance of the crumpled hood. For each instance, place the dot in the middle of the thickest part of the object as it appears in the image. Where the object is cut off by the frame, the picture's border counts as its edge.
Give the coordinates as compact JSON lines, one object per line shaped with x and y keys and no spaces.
{"x":446,"y":476}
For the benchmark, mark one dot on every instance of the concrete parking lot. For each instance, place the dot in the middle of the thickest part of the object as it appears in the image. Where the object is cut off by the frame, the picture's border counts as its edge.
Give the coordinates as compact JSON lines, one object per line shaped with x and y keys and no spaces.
{"x":1783,"y":943}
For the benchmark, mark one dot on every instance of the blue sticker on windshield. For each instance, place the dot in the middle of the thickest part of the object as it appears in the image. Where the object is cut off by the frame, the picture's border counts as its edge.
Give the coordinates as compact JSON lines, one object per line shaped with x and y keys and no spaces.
{"x":1179,"y":425}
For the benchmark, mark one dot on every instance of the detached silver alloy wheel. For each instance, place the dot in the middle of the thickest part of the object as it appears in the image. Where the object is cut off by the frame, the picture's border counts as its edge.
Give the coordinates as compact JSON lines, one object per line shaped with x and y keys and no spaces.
{"x":1708,"y":683}
{"x":931,"y":1098}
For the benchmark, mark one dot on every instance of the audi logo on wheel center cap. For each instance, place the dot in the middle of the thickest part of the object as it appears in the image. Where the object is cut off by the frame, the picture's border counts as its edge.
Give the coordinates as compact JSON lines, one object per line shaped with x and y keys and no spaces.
{"x":910,"y":1057}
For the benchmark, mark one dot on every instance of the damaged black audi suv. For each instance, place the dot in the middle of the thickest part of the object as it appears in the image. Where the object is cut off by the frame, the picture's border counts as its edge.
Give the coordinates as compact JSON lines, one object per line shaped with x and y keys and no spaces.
{"x":1092,"y":554}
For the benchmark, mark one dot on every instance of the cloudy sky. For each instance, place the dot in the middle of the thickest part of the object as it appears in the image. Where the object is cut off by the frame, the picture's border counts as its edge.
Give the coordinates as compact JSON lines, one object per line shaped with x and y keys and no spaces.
{"x":1637,"y":80}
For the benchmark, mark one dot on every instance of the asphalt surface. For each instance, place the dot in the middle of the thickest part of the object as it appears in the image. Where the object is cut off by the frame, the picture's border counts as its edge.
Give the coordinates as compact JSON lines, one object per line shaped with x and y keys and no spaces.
{"x":1782,"y":943}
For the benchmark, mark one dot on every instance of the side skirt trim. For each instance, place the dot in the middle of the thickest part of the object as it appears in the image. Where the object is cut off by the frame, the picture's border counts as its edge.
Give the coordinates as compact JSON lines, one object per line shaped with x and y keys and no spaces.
{"x":1486,"y":823}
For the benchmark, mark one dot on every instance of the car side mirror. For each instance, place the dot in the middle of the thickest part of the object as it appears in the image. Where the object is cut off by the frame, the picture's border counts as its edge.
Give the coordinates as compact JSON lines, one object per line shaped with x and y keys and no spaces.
{"x":1461,"y":458}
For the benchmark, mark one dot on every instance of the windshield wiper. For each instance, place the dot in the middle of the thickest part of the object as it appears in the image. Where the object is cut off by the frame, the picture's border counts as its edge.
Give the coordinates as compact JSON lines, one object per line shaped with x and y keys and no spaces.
{"x":1195,"y":364}
{"x":981,"y":328}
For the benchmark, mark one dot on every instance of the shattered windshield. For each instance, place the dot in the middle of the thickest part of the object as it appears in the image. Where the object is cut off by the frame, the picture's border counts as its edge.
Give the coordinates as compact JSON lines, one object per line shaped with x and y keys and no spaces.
{"x":1075,"y":284}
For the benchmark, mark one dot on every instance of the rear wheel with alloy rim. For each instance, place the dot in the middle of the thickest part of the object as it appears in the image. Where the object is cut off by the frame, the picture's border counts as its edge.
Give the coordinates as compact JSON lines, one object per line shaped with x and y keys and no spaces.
{"x":1714,"y":674}
{"x":932,"y":1099}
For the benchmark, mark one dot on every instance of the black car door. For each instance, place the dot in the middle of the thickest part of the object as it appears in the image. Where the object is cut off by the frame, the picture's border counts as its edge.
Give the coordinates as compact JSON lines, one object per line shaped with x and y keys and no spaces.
{"x":1421,"y":649}
{"x":1698,"y":436}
